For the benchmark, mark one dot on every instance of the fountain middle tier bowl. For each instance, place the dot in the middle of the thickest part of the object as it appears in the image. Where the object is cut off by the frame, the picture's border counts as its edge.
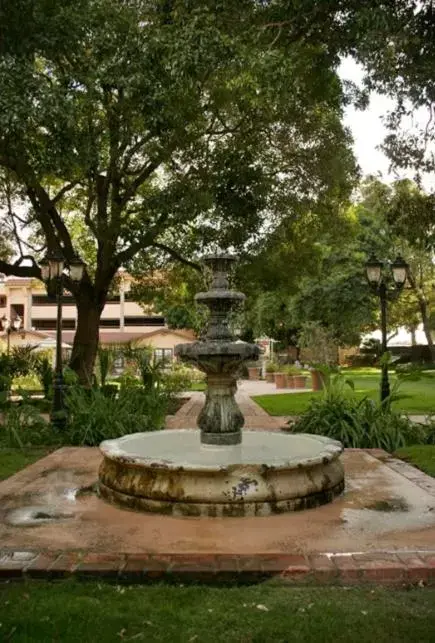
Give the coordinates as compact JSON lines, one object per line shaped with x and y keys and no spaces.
{"x":217,"y":348}
{"x":170,"y":472}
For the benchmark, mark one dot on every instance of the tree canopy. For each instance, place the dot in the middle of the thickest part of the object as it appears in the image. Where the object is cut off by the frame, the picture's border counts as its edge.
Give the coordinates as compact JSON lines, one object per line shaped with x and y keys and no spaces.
{"x":150,"y":127}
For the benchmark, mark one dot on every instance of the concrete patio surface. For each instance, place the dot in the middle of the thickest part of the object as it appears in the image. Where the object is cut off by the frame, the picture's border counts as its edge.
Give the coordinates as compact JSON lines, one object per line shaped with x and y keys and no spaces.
{"x":387,"y":505}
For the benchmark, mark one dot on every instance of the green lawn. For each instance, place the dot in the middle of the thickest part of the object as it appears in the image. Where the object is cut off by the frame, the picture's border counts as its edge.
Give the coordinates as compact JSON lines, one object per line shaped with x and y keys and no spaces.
{"x":12,"y":460}
{"x":90,"y":612}
{"x":198,"y":386}
{"x":418,"y":396}
{"x":420,"y":455}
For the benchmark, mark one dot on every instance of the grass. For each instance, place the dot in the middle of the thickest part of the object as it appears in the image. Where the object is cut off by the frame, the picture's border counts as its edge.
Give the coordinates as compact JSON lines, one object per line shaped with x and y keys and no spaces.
{"x":417,"y":396}
{"x":421,"y":456}
{"x":90,"y":612}
{"x":198,"y":386}
{"x":12,"y":460}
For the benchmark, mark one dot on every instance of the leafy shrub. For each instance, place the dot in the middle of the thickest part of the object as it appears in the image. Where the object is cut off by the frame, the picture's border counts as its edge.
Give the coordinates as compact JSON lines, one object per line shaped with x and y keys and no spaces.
{"x":177,"y":379}
{"x":358,"y":423}
{"x":18,"y":362}
{"x":105,"y":359}
{"x":94,"y":416}
{"x":22,"y":425}
{"x":430,"y":430}
{"x":44,"y":372}
{"x":272,"y":367}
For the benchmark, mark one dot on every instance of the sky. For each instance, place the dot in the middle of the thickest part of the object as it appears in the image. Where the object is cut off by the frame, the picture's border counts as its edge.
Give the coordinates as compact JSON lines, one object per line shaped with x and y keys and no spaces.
{"x":368,"y":130}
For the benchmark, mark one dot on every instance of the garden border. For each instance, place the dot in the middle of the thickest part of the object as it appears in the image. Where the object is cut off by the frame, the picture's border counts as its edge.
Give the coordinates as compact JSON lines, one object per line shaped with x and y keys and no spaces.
{"x":393,"y":568}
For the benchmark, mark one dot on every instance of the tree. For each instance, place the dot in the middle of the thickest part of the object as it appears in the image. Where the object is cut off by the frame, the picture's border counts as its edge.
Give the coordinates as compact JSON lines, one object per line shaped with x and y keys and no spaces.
{"x":171,"y":292}
{"x":312,"y":271}
{"x":162,"y":127}
{"x":411,"y":214}
{"x":397,"y":48}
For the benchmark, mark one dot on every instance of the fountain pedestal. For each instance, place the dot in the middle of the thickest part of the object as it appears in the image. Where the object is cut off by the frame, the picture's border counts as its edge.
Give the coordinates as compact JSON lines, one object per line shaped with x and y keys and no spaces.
{"x":212,"y":472}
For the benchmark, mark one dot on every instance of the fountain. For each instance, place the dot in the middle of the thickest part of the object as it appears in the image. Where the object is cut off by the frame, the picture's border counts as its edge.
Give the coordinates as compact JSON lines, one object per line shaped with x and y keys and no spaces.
{"x":217,"y":471}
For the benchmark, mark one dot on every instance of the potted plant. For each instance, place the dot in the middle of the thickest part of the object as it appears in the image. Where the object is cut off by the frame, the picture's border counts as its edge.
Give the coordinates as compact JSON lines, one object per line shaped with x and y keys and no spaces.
{"x":280,"y":377}
{"x":254,"y":372}
{"x":271,"y":368}
{"x":300,"y":380}
{"x":291,"y":373}
{"x":318,"y":376}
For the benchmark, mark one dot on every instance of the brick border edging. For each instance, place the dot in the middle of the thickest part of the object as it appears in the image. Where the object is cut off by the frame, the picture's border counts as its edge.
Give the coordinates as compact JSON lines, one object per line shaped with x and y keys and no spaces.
{"x":401,"y":568}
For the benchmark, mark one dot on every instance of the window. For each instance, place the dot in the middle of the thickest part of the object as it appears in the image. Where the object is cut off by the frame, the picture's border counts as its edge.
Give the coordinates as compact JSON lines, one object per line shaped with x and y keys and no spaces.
{"x":144,"y":321}
{"x":42,"y":300}
{"x":50,"y":324}
{"x":109,"y":323}
{"x":163,"y":355}
{"x":17,"y":310}
{"x":2,"y":301}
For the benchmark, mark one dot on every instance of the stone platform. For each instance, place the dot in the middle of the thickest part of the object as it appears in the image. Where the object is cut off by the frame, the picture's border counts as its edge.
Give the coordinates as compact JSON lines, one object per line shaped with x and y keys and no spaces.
{"x":381,"y":530}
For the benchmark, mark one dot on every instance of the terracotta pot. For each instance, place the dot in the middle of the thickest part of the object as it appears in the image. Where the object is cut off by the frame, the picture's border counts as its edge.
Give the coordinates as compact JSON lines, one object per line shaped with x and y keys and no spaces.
{"x":290,"y":381}
{"x":299,"y":381}
{"x":280,"y":380}
{"x":270,"y":377}
{"x":317,"y":381}
{"x":254,"y":372}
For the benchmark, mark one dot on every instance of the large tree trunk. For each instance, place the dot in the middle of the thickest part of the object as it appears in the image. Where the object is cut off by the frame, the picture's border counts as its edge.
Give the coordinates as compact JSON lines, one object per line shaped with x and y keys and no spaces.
{"x":422,"y":304}
{"x":426,"y":325}
{"x":86,"y":338}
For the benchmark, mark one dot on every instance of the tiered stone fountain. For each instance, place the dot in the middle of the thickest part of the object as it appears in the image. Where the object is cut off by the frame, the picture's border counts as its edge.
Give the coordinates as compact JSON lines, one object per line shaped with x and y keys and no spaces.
{"x":213,"y":471}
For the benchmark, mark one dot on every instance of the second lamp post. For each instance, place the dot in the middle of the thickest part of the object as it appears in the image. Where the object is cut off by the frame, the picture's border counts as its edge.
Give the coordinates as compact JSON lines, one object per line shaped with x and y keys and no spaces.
{"x":52,"y":267}
{"x":379,"y":277}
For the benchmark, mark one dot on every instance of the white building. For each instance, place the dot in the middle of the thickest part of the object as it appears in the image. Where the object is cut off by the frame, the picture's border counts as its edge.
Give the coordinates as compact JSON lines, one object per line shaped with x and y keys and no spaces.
{"x":123,"y":320}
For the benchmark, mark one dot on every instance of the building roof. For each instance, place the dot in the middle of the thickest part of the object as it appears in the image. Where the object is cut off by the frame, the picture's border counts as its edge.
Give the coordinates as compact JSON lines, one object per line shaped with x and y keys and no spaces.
{"x":36,"y":333}
{"x":124,"y":337}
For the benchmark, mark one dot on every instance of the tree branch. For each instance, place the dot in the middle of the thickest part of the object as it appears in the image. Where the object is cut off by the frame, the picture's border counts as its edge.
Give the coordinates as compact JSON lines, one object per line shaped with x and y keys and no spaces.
{"x":46,"y":212}
{"x":66,"y":188}
{"x":176,"y":256}
{"x":15,"y":269}
{"x":137,"y":182}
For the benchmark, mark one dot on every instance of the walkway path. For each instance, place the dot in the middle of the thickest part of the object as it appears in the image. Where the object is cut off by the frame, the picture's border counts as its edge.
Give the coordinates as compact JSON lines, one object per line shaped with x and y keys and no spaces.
{"x":256,"y":419}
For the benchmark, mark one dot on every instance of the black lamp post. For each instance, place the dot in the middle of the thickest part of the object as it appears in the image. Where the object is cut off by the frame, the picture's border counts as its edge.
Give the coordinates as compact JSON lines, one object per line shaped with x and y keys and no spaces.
{"x":52,"y":267}
{"x":386,"y":289}
{"x":8,"y":327}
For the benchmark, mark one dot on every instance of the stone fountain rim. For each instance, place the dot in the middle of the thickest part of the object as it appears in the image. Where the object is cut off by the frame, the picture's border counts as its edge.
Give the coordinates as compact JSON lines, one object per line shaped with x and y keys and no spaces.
{"x":111,"y":450}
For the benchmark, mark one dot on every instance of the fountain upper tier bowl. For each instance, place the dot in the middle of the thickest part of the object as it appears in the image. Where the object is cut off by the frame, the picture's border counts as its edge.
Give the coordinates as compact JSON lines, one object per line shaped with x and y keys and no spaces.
{"x":171,"y":472}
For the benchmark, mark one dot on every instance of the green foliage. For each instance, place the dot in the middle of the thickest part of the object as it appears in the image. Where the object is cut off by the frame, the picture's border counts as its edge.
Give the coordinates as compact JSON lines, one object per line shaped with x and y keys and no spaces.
{"x":22,"y":425}
{"x":94,"y":416}
{"x":319,"y":342}
{"x":19,"y":362}
{"x":159,"y":130}
{"x":357,"y":423}
{"x":272,"y":367}
{"x":292,"y":370}
{"x":430,"y":429}
{"x":105,"y":358}
{"x":43,"y":369}
{"x":171,"y":293}
{"x":178,"y":378}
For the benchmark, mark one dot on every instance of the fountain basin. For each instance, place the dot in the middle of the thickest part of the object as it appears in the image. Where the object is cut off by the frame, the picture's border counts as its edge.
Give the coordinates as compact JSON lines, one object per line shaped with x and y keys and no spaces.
{"x":170,"y":472}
